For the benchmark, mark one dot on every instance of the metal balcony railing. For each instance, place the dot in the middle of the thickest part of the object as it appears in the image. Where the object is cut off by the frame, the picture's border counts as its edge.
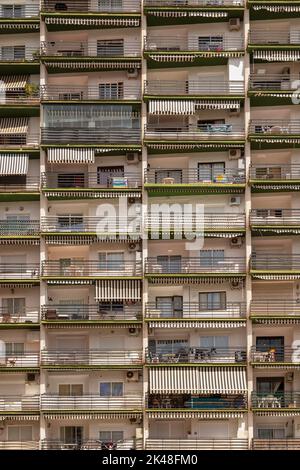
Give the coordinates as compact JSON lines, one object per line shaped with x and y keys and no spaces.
{"x":275,"y":217}
{"x":275,"y":127}
{"x":31,"y":184}
{"x":180,"y":43}
{"x":26,"y":315}
{"x":18,"y":12}
{"x":275,"y":354}
{"x":78,"y":180}
{"x":196,"y":355}
{"x":273,"y":308}
{"x":197,"y":444}
{"x":122,"y":91}
{"x":88,"y":135}
{"x":274,"y":37}
{"x":19,"y":271}
{"x":19,"y":403}
{"x":92,"y":312}
{"x":197,"y":311}
{"x":91,"y":357}
{"x":193,"y":88}
{"x":277,"y":172}
{"x":217,"y":402}
{"x":193,"y":3}
{"x":76,"y":268}
{"x":23,"y":140}
{"x":73,"y":224}
{"x":19,"y":445}
{"x":25,"y":359}
{"x":19,"y":97}
{"x":193,"y":175}
{"x":19,"y":227}
{"x":179,"y":131}
{"x":289,"y":443}
{"x":196,"y":266}
{"x":89,"y":6}
{"x":90,"y":402}
{"x":78,"y":49}
{"x":275,"y":400}
{"x":92,"y":444}
{"x":159,"y":221}
{"x":22,"y":53}
{"x":275,"y":262}
{"x":271,"y":82}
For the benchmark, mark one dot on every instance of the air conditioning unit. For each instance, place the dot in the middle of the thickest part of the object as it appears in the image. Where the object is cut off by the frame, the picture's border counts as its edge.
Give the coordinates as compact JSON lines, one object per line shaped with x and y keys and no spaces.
{"x":132,"y":73}
{"x":133,"y":331}
{"x":132,"y":158}
{"x":234,"y":24}
{"x":235,"y":201}
{"x":133,"y":247}
{"x":234,"y":112}
{"x":132,"y":376}
{"x":236,"y":242}
{"x":30,"y":377}
{"x":237,"y":284}
{"x":234,"y":154}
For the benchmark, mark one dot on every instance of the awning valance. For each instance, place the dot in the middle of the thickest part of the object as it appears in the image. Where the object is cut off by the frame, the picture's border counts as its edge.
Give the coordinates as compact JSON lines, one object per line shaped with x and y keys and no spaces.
{"x":14,"y":82}
{"x":13,"y":164}
{"x":13,"y":125}
{"x":118,"y":289}
{"x":113,"y":22}
{"x":197,"y":380}
{"x":188,"y":14}
{"x":71,"y":155}
{"x":278,"y":8}
{"x":277,"y":56}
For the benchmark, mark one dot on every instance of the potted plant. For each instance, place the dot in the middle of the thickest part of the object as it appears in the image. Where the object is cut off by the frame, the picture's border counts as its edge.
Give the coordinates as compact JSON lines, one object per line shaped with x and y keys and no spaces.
{"x":31,"y":89}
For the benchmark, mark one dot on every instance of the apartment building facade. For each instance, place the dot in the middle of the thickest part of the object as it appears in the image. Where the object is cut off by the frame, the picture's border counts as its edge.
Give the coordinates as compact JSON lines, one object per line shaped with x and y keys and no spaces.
{"x":134,"y":335}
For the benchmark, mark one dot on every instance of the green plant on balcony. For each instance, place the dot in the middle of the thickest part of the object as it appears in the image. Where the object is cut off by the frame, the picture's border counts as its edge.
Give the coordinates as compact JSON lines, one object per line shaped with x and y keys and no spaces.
{"x":31,"y":89}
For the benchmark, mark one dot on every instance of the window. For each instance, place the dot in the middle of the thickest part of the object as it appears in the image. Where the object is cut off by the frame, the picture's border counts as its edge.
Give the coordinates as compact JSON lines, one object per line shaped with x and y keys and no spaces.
{"x":210,"y":171}
{"x":110,"y":307}
{"x":175,"y":174}
{"x":19,"y":433}
{"x":71,"y":434}
{"x":13,"y":11}
{"x":111,"y":91}
{"x":13,"y":52}
{"x":170,"y":306}
{"x":270,"y":384}
{"x":70,"y":222}
{"x":13,"y":306}
{"x":212,"y":301}
{"x":70,"y":180}
{"x":14,"y":349}
{"x":210,"y":342}
{"x":210,"y":43}
{"x":111,"y":389}
{"x":272,"y":172}
{"x":111,"y":436}
{"x":211,"y":258}
{"x":270,"y":433}
{"x":275,"y":343}
{"x":111,"y":261}
{"x":105,"y":174}
{"x":110,"y":5}
{"x":70,"y":390}
{"x":13,"y":180}
{"x":168,"y":346}
{"x":264,"y":213}
{"x":110,"y":48}
{"x":169,"y":264}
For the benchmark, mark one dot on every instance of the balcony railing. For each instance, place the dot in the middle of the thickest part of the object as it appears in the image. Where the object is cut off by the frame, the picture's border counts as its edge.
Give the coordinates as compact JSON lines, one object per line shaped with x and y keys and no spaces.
{"x":275,"y":400}
{"x":24,"y":360}
{"x":90,"y":357}
{"x":19,"y":54}
{"x":90,"y":93}
{"x":179,"y":131}
{"x":271,"y":355}
{"x":193,"y":175}
{"x":197,"y":311}
{"x":21,"y":140}
{"x":19,"y":227}
{"x":88,"y":6}
{"x":197,"y":444}
{"x":275,"y":308}
{"x":216,"y":43}
{"x":90,"y":313}
{"x":92,"y":444}
{"x":88,"y":135}
{"x":159,"y":221}
{"x":217,"y":402}
{"x":269,"y":127}
{"x":127,"y":179}
{"x":275,"y":217}
{"x":272,"y":82}
{"x":193,"y":88}
{"x":192,"y":3}
{"x":19,"y":403}
{"x":19,"y":271}
{"x":19,"y":11}
{"x":56,"y":268}
{"x":289,"y":443}
{"x":26,"y":315}
{"x":19,"y":445}
{"x":275,"y":172}
{"x":274,"y":37}
{"x":19,"y":97}
{"x":91,"y":402}
{"x":84,"y":49}
{"x":73,"y":224}
{"x":196,"y":266}
{"x":275,"y":262}
{"x":195,"y":355}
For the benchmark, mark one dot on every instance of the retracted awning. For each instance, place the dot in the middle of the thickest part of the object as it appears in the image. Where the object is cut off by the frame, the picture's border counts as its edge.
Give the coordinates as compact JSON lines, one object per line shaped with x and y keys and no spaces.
{"x":71,"y":155}
{"x":186,"y":107}
{"x":13,"y":164}
{"x":198,"y":380}
{"x":118,"y":289}
{"x":277,"y":56}
{"x":14,"y":82}
{"x":13,"y":125}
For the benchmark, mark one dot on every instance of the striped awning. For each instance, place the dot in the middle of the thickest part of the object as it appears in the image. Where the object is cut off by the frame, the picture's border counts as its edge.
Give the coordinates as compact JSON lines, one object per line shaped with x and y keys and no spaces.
{"x":277,"y":56}
{"x":118,"y":289}
{"x":186,"y":107}
{"x":13,"y":164}
{"x":197,"y":380}
{"x":88,"y":416}
{"x":17,"y":125}
{"x":14,"y":82}
{"x":93,"y":65}
{"x":113,"y":22}
{"x":217,"y":104}
{"x":188,"y":14}
{"x":71,"y":155}
{"x":197,"y":324}
{"x":278,"y":8}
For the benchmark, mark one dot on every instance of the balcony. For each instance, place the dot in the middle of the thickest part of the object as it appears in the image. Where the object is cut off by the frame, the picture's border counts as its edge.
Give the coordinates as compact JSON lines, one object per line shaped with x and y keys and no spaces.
{"x":91,"y":269}
{"x":123,"y":92}
{"x":274,"y":38}
{"x":193,"y":3}
{"x":275,"y":177}
{"x":64,"y":181}
{"x":90,"y":357}
{"x":53,"y":402}
{"x":90,"y":313}
{"x":193,"y":89}
{"x":268,"y":82}
{"x":196,"y":267}
{"x":25,"y":360}
{"x":86,"y":6}
{"x":276,"y":401}
{"x":19,"y":12}
{"x":208,"y":402}
{"x":19,"y":228}
{"x":181,"y":44}
{"x":20,"y":59}
{"x":274,"y":264}
{"x":19,"y":445}
{"x":270,"y":357}
{"x":24,"y":317}
{"x":197,"y":444}
{"x":92,"y":444}
{"x":268,"y":221}
{"x":289,"y":443}
{"x":19,"y":404}
{"x":194,"y":311}
{"x":197,"y":355}
{"x":29,"y":96}
{"x":87,"y":135}
{"x":82,"y":50}
{"x":30,"y":139}
{"x":262,"y":310}
{"x":274,"y":128}
{"x":191,"y":132}
{"x":19,"y":272}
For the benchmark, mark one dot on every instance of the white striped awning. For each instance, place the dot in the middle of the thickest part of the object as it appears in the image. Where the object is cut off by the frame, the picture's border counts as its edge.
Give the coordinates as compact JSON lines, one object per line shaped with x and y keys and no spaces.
{"x":277,"y":56}
{"x":118,"y":289}
{"x":71,"y":155}
{"x":197,"y":380}
{"x":217,"y":104}
{"x":186,"y":107}
{"x":197,"y":324}
{"x":13,"y":164}
{"x":14,"y":82}
{"x":200,"y":146}
{"x":96,"y":65}
{"x":113,"y":22}
{"x":185,"y":14}
{"x":17,"y":125}
{"x":278,"y":8}
{"x":88,"y":416}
